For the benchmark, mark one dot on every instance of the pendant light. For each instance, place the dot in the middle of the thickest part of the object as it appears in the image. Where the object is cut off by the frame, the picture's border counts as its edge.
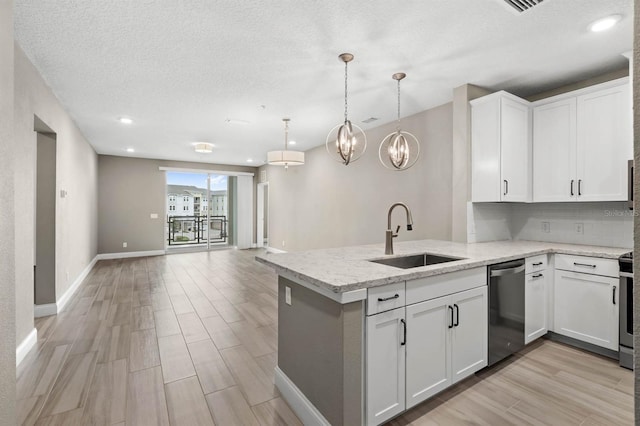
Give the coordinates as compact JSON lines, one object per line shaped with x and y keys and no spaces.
{"x":285,"y":158}
{"x":344,"y":144}
{"x":399,"y":150}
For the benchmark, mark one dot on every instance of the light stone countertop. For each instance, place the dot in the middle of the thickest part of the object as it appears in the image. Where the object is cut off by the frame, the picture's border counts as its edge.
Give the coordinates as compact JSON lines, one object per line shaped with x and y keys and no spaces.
{"x":345,"y":269}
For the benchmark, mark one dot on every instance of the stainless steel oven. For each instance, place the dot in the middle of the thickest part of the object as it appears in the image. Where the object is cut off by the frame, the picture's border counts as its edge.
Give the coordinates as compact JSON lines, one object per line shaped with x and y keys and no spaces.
{"x":626,"y":310}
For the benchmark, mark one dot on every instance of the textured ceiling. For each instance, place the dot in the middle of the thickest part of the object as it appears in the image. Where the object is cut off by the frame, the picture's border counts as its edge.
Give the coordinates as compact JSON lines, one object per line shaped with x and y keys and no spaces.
{"x":181,"y":68}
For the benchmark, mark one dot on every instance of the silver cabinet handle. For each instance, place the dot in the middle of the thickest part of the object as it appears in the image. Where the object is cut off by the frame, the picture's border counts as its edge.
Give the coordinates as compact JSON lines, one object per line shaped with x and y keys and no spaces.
{"x":404,"y":332}
{"x":506,"y":187}
{"x":586,"y":265}
{"x":614,"y":294}
{"x":572,"y":181}
{"x":536,"y":264}
{"x":384,"y":299}
{"x":537,"y":276}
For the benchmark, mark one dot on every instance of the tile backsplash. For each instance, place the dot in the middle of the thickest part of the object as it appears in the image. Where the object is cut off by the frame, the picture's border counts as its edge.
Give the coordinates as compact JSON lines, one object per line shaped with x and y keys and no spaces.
{"x":604,"y":223}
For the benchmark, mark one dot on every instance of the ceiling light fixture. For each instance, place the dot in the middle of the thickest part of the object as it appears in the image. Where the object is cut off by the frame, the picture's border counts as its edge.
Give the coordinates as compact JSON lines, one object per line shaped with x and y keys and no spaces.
{"x":292,"y":142}
{"x":131,"y":150}
{"x":203,"y":147}
{"x":604,"y":23}
{"x":287,"y":157}
{"x":399,"y":150}
{"x":125,"y":120}
{"x":342,"y":143}
{"x":249,"y":160}
{"x":236,"y":121}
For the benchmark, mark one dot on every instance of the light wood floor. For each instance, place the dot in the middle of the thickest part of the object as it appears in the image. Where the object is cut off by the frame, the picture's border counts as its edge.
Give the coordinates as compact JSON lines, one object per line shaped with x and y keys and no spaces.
{"x":191,"y":339}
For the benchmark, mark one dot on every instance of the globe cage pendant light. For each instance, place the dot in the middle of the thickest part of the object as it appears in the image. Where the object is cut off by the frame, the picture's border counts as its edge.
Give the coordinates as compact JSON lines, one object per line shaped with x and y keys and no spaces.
{"x":285,"y":158}
{"x":399,"y":150}
{"x":346,"y":142}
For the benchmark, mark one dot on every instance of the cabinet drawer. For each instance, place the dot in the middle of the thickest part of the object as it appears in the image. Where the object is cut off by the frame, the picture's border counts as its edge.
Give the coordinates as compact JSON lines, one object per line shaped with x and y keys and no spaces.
{"x":588,"y":265}
{"x":535,"y":263}
{"x":441,"y":285}
{"x":385,"y":298}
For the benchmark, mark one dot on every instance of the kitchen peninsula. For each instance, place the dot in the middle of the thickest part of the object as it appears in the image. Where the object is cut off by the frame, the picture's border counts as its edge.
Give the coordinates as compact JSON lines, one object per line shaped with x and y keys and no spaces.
{"x":338,"y":309}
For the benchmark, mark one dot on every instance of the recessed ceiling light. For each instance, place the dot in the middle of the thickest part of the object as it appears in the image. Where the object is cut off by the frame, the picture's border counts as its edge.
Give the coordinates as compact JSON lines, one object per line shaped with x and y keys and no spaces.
{"x":604,"y":23}
{"x":249,"y":160}
{"x":125,"y":120}
{"x":131,"y":150}
{"x":236,"y":121}
{"x":203,"y":147}
{"x":292,"y":142}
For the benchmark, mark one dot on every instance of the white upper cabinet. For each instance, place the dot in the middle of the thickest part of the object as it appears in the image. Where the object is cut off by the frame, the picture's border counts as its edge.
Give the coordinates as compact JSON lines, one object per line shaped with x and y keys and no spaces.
{"x":605,"y":144}
{"x":581,"y":144}
{"x":554,"y":151}
{"x":500,"y":148}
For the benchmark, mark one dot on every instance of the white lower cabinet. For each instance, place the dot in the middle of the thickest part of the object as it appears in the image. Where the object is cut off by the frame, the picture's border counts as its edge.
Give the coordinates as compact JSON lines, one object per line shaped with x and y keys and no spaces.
{"x":586,"y":307}
{"x":469,"y":336}
{"x":536,"y":289}
{"x":385,"y":366}
{"x":443,"y":340}
{"x":429,"y":331}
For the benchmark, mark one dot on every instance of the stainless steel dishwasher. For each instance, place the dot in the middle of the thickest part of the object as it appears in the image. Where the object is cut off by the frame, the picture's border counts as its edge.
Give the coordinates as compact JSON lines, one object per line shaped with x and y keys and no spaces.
{"x":506,"y":309}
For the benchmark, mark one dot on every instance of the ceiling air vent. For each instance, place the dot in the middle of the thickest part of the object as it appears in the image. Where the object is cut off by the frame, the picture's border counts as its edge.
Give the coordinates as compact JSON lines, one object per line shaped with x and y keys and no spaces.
{"x":522,"y":5}
{"x":370,"y":120}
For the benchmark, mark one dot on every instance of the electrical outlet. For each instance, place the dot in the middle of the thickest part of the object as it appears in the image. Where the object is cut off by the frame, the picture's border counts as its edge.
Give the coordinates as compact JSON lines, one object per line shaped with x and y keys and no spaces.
{"x":546,"y":227}
{"x":124,"y":245}
{"x":287,"y":295}
{"x":579,"y":228}
{"x":153,"y":215}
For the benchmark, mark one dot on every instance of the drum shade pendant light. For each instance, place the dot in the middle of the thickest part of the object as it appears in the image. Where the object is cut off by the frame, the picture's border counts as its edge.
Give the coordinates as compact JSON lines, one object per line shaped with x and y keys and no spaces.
{"x":346,"y":142}
{"x":285,"y":158}
{"x":399,"y":150}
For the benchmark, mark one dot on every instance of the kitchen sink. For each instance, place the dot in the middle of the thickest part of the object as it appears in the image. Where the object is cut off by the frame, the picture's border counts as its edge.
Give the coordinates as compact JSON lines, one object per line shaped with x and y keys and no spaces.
{"x":415,"y":260}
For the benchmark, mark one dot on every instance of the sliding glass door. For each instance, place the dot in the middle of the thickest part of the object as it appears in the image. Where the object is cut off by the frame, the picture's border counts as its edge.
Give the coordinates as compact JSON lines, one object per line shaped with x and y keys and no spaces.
{"x":197,"y":210}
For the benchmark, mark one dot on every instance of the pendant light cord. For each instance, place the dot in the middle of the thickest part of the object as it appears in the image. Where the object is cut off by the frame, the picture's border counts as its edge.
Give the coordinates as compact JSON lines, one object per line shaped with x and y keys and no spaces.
{"x":345,"y":91}
{"x":286,"y":135}
{"x":398,"y":125}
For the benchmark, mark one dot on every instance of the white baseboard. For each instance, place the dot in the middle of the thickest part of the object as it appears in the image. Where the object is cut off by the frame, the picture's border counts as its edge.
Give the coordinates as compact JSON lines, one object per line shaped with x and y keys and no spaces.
{"x":275,"y":250}
{"x":64,"y":299}
{"x":25,"y":346}
{"x":305,"y":410}
{"x":45,"y":310}
{"x":125,"y":255}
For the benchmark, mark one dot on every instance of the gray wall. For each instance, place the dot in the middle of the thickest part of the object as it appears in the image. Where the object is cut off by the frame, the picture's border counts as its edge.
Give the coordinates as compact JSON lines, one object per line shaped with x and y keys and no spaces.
{"x":636,"y":197}
{"x":77,"y":173}
{"x":461,"y":158}
{"x":326,"y":204}
{"x":326,"y":336}
{"x":129,"y":190}
{"x":7,"y":218}
{"x":45,"y":219}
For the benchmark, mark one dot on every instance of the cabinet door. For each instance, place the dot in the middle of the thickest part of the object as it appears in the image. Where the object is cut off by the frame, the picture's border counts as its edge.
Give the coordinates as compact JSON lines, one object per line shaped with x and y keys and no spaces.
{"x":535,"y":306}
{"x":485,"y":150}
{"x":586,"y":308}
{"x":385,"y":366}
{"x":554,"y":151}
{"x":515,"y":150}
{"x":605,"y":144}
{"x":469,"y":336}
{"x":428,"y":354}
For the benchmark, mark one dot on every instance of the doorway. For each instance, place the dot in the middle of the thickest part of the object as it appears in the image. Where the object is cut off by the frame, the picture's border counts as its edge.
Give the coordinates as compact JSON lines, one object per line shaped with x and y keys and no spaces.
{"x":262,"y":199}
{"x":44,"y":269}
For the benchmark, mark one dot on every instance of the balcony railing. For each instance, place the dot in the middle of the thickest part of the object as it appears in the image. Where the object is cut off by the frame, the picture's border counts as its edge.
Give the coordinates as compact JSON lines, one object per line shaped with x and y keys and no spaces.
{"x":184,"y":230}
